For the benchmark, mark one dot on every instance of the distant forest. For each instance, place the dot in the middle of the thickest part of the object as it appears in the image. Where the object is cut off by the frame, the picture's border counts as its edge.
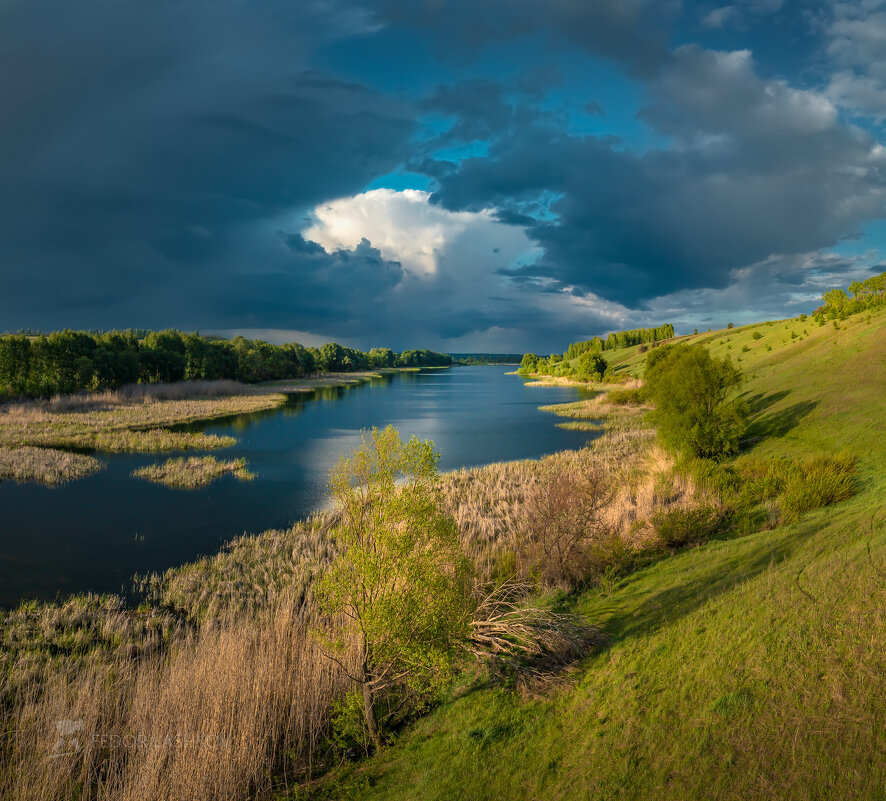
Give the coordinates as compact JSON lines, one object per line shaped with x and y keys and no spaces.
{"x":620,"y":339}
{"x":71,"y":361}
{"x":486,"y":358}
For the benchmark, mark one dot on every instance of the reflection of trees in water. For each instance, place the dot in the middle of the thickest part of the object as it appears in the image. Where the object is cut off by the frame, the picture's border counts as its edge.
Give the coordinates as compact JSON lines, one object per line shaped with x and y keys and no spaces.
{"x":295,"y":404}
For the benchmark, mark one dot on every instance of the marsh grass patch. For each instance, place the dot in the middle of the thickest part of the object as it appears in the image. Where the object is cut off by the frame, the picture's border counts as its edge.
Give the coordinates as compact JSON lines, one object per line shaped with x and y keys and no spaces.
{"x":193,"y":472}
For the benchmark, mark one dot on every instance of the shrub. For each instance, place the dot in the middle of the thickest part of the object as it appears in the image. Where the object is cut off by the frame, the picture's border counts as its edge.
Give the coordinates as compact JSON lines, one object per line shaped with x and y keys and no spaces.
{"x":401,"y":577}
{"x":565,"y":540}
{"x":756,"y":335}
{"x":690,"y":389}
{"x":680,"y":527}
{"x":818,"y":481}
{"x":627,"y":397}
{"x":746,"y":349}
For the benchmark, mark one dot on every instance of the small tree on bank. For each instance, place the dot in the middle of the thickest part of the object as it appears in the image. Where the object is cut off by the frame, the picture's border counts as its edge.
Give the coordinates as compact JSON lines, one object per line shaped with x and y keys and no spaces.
{"x":401,"y":579}
{"x":691,"y":390}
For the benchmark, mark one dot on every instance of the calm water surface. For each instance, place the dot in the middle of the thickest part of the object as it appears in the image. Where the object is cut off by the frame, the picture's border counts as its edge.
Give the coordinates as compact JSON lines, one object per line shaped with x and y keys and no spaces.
{"x":94,"y":534}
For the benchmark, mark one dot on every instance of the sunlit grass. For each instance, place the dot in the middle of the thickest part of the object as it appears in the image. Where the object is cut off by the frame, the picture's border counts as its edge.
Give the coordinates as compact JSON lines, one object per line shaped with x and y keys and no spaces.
{"x":45,"y":465}
{"x":193,"y":472}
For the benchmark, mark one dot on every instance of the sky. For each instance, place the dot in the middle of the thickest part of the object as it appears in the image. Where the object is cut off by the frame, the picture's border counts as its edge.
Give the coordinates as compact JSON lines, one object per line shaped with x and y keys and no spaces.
{"x":463,"y":175}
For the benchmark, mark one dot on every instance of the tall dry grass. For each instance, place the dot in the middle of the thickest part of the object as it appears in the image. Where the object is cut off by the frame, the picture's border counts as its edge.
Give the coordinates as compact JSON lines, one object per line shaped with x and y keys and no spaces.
{"x":127,"y":395}
{"x":217,"y":716}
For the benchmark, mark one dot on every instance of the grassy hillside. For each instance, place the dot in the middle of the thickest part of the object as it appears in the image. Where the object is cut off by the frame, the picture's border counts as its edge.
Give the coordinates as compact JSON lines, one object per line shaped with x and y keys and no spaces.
{"x":743,"y":669}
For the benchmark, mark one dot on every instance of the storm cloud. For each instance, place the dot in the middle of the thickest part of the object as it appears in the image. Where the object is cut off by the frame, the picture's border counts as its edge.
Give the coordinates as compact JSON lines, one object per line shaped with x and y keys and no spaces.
{"x":461,"y":175}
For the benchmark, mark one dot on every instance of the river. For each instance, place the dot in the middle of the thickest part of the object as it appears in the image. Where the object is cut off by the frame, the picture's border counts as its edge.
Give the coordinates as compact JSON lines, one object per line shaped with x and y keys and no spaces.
{"x":96,"y":533}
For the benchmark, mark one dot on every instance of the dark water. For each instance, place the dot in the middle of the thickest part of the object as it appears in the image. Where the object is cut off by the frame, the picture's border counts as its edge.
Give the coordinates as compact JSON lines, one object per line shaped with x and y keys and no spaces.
{"x":94,"y":534}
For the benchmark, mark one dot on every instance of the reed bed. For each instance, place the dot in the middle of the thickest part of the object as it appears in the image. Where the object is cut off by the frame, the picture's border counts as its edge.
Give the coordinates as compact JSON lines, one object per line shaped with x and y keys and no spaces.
{"x":132,"y":419}
{"x":214,"y":716}
{"x":194,"y":472}
{"x":45,"y":465}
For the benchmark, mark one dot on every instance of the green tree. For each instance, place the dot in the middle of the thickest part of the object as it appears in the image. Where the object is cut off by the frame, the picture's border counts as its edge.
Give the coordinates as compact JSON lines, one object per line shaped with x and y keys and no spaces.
{"x":591,"y":366}
{"x":529,"y":363}
{"x":401,"y":580}
{"x":693,"y":412}
{"x":381,"y":357}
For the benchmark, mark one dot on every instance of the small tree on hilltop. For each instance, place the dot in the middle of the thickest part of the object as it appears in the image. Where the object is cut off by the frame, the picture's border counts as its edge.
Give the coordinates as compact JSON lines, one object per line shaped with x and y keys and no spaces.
{"x":401,"y":579}
{"x":693,"y":413}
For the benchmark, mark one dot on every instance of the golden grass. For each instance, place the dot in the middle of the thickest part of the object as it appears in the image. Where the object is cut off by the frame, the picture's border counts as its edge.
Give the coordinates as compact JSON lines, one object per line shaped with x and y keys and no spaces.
{"x":45,"y":465}
{"x":581,"y":425}
{"x":194,"y":472}
{"x":134,"y":419}
{"x":215,"y":715}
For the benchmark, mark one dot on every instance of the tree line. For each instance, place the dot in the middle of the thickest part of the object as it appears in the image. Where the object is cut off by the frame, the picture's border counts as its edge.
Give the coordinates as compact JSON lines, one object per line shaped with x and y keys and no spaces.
{"x":869,"y":294}
{"x":620,"y":339}
{"x":585,"y":360}
{"x":70,"y":361}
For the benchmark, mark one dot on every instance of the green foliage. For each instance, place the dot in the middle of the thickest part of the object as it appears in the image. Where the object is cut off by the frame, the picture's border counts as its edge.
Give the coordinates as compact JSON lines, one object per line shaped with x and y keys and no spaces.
{"x":635,"y":396}
{"x":693,"y":413}
{"x":762,"y":492}
{"x":347,"y":722}
{"x":756,"y":335}
{"x":401,"y":579}
{"x":869,"y":294}
{"x":590,"y":367}
{"x":680,"y":527}
{"x":818,"y":481}
{"x":69,"y":361}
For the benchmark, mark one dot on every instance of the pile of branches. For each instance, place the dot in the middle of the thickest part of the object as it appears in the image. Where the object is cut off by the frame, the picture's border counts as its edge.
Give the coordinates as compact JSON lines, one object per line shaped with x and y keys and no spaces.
{"x":533,"y":645}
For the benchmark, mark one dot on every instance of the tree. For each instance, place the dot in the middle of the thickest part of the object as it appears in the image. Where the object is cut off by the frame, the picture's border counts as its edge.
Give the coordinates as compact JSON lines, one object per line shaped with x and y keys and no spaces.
{"x":400,"y":580}
{"x":529,"y":363}
{"x":691,"y":389}
{"x":330,"y":357}
{"x":591,"y":366}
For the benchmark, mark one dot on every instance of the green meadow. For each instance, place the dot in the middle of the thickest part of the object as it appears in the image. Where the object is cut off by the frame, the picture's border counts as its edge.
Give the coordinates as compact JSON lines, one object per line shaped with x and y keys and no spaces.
{"x":751,"y":667}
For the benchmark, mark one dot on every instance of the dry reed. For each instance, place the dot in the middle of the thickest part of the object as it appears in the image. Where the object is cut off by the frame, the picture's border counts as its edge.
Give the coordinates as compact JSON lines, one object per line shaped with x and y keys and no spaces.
{"x":197,"y":471}
{"x":45,"y":465}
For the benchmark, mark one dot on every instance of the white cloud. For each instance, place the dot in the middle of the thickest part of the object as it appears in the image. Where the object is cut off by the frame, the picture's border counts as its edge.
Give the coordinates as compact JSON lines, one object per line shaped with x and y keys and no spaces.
{"x":453,"y":294}
{"x":406,"y":227}
{"x":856,"y":45}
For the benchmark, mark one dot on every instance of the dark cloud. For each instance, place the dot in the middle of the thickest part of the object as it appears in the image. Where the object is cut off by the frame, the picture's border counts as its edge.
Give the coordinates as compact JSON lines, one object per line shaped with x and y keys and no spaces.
{"x":158,"y":159}
{"x":630,"y":32}
{"x":752,"y":168}
{"x":139,"y":138}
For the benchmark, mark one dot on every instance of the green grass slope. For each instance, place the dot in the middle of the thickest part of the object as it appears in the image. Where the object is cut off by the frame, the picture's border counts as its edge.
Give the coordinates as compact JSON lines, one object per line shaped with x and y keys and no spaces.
{"x":753,"y":668}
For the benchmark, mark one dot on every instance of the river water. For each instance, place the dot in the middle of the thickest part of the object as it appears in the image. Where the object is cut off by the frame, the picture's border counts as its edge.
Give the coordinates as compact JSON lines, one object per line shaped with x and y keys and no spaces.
{"x":94,"y":534}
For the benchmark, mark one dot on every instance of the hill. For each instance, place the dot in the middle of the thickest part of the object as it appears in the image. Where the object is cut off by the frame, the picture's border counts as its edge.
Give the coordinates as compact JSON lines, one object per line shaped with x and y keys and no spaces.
{"x":746,"y":668}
